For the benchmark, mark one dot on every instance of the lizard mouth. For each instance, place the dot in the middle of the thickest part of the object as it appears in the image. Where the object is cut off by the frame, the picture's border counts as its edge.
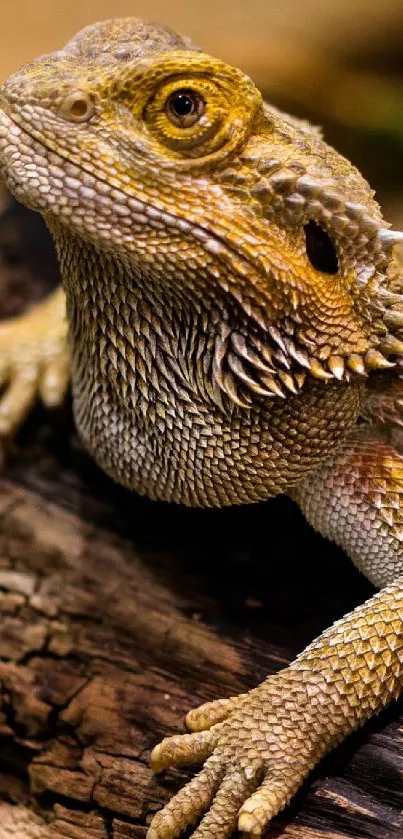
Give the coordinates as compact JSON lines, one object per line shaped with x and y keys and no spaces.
{"x":78,"y":197}
{"x":35,"y":180}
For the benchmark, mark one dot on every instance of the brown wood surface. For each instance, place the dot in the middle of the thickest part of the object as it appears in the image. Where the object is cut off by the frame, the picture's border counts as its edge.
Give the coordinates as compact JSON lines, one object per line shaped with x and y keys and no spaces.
{"x":118,"y":615}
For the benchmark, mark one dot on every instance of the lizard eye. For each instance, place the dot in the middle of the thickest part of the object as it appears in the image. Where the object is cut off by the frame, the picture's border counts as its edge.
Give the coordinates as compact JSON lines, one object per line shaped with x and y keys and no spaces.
{"x":320,"y":249}
{"x":77,"y":106}
{"x":190,"y":109}
{"x":184,"y":108}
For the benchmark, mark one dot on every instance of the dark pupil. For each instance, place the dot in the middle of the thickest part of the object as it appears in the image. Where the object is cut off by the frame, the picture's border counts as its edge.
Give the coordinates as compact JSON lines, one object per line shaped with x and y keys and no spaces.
{"x":320,"y":249}
{"x":182,"y":104}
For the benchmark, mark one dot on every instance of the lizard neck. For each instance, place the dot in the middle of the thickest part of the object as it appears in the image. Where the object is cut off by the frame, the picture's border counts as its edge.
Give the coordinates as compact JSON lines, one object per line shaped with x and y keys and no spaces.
{"x":145,"y":403}
{"x":146,"y":340}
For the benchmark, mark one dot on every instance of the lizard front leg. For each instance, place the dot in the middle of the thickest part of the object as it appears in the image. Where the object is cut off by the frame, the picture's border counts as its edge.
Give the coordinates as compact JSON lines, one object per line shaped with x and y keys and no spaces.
{"x":260,"y":746}
{"x":33,"y":360}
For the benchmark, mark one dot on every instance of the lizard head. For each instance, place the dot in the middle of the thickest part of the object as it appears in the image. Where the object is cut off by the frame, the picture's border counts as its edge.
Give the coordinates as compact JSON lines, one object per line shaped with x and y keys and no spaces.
{"x":169,"y":161}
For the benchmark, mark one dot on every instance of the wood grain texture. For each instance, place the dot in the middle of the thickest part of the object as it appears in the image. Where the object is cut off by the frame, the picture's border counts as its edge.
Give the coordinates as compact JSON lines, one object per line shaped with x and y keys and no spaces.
{"x":118,"y":615}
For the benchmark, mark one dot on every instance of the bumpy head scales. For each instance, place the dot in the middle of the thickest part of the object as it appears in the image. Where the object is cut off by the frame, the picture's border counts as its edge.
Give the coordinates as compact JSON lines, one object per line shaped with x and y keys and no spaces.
{"x":167,"y":159}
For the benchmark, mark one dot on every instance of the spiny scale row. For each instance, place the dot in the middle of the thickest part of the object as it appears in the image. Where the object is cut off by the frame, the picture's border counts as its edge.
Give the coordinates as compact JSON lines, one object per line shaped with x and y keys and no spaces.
{"x":302,"y":195}
{"x":391,"y":311}
{"x":245,"y":366}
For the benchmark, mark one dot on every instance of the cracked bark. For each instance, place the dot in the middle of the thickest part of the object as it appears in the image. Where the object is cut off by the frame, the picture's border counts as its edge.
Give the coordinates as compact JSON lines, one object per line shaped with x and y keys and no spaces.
{"x":118,"y":615}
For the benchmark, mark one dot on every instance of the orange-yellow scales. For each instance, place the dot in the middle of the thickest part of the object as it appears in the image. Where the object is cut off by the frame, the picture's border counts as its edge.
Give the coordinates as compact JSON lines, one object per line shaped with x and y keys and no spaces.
{"x":235,"y":329}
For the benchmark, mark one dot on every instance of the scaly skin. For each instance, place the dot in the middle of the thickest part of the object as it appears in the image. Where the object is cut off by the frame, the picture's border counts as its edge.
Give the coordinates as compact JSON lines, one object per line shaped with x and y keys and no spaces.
{"x":234,"y":326}
{"x":33,"y":360}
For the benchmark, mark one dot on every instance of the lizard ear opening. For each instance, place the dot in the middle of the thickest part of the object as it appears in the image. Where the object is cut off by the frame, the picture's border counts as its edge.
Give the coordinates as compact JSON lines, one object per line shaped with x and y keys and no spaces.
{"x":320,"y":249}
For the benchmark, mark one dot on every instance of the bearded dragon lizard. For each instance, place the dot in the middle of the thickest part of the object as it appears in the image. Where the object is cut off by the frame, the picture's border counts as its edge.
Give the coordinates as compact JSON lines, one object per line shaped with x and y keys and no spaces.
{"x":234,"y":330}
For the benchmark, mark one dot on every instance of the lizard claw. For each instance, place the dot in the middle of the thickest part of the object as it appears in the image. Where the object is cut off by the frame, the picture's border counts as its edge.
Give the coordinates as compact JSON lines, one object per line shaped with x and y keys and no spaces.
{"x":258,"y":751}
{"x":33,"y":361}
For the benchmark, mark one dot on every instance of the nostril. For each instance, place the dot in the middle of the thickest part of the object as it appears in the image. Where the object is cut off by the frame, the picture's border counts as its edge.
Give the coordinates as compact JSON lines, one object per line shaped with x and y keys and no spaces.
{"x":78,"y":106}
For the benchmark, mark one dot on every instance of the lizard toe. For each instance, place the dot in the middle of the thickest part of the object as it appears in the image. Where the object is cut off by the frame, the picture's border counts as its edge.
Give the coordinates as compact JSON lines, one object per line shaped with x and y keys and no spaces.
{"x":212,"y":713}
{"x":264,"y":748}
{"x":17,"y":399}
{"x":34,"y":361}
{"x":222,"y":817}
{"x":54,"y":381}
{"x":188,"y":805}
{"x":271,"y":797}
{"x":184,"y":749}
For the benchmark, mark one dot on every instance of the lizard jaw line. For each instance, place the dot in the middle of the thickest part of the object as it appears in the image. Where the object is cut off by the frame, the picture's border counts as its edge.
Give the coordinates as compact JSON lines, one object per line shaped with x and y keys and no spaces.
{"x":14,"y":135}
{"x":139,"y":209}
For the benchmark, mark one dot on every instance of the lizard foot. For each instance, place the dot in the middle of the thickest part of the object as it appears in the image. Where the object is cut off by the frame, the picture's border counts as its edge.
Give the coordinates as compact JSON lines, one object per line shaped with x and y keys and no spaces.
{"x":33,"y":361}
{"x":258,"y":749}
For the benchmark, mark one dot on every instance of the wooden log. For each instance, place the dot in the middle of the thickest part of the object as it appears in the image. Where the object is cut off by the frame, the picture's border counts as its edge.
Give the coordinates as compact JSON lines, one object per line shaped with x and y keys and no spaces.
{"x":118,"y":615}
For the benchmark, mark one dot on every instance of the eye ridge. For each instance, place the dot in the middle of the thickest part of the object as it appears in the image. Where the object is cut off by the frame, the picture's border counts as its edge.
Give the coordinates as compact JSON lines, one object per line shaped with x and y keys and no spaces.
{"x":320,"y":249}
{"x":184,"y":107}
